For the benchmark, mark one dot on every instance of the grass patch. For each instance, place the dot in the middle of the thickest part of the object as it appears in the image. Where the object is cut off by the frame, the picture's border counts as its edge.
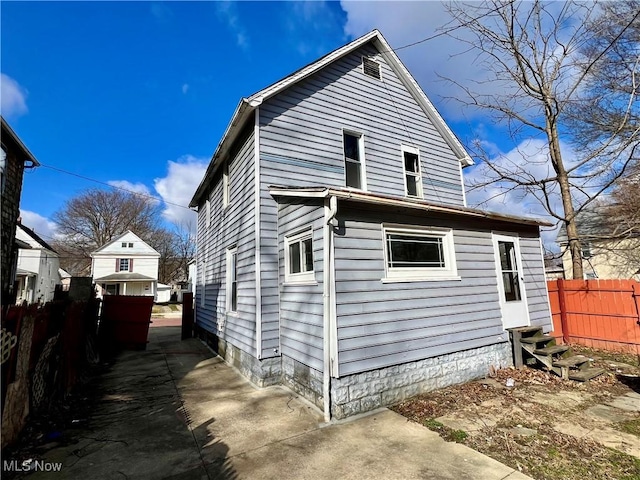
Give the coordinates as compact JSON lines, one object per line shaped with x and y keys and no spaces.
{"x":630,"y":426}
{"x":449,"y":434}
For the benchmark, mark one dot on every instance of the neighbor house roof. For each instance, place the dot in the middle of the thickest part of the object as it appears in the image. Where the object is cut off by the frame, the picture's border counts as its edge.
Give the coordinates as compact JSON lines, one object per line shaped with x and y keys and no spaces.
{"x":246,"y":107}
{"x":35,"y":240}
{"x":124,"y":277}
{"x":132,"y":236}
{"x":343,"y":193}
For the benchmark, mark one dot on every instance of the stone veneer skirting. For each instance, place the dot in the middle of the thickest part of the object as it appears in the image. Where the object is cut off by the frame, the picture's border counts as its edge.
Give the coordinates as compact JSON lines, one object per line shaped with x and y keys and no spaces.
{"x":363,"y":392}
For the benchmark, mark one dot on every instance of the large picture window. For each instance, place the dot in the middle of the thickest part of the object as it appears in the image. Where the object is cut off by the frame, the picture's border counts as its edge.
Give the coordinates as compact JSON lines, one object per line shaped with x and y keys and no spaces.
{"x":419,"y":254}
{"x":298,"y":258}
{"x":353,"y":145}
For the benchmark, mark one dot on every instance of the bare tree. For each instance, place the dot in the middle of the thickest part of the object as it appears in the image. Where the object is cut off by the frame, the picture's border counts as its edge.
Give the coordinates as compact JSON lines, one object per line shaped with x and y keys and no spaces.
{"x":95,"y":217}
{"x":542,"y":59}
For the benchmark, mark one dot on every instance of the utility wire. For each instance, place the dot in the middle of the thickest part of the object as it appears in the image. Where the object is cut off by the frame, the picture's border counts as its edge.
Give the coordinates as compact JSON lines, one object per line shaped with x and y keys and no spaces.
{"x":112,"y":186}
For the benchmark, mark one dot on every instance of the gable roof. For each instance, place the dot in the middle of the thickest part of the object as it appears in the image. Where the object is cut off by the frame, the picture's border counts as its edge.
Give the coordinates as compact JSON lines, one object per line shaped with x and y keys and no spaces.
{"x":9,"y":137}
{"x":247,"y":106}
{"x":32,"y":238}
{"x":145,"y":249}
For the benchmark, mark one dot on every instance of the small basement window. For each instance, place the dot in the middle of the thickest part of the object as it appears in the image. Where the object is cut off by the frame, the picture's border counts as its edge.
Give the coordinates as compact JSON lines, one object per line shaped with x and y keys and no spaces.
{"x":298,"y":257}
{"x":371,"y":68}
{"x":413,"y":253}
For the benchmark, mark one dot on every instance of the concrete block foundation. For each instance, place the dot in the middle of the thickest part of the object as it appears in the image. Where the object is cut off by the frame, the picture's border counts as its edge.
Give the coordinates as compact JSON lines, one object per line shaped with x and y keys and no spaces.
{"x":366,"y":391}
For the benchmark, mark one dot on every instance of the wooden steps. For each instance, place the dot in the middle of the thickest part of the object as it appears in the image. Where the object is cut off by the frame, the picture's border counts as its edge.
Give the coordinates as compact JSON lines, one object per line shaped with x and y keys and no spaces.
{"x":530,"y":345}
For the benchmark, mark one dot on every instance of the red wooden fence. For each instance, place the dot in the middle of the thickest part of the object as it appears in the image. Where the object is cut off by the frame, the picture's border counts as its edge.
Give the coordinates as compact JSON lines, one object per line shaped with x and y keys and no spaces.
{"x":596,"y":313}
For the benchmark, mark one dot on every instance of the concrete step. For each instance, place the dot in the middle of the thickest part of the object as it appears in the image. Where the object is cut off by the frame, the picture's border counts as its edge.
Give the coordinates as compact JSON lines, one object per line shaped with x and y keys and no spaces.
{"x":536,"y":339}
{"x":554,"y":350}
{"x":586,"y":374}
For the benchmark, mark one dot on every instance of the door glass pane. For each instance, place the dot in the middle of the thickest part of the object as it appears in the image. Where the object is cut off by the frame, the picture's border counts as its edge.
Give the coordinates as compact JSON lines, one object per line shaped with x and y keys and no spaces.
{"x":511,"y":286}
{"x":510,"y":275}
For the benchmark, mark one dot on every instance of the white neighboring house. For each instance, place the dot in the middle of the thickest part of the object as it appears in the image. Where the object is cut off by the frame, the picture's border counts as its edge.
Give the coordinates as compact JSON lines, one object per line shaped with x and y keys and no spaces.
{"x":37,"y":271}
{"x":125,"y":266}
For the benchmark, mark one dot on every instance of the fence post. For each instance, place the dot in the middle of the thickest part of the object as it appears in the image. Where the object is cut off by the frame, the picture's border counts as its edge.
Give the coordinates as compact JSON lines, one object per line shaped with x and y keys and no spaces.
{"x":636,"y":297}
{"x":563,"y":311}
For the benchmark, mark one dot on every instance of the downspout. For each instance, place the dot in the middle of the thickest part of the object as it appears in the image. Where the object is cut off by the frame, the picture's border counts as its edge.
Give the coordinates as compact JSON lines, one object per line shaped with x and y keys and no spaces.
{"x":330,"y":211}
{"x":256,"y":213}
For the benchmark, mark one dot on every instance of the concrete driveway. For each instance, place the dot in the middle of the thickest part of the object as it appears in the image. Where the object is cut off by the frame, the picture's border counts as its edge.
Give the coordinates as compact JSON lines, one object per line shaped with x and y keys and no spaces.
{"x":175,"y":411}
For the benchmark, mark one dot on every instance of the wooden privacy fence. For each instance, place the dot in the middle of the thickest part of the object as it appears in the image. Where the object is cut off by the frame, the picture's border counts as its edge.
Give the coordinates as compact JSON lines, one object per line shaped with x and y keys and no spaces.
{"x":597,"y":313}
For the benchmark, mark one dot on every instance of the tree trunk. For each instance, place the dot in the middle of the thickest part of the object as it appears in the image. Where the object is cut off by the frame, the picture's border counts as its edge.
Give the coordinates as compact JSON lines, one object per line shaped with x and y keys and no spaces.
{"x":565,"y":191}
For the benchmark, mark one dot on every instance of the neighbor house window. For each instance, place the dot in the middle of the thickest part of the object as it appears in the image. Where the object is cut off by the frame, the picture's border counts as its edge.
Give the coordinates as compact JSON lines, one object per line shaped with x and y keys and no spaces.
{"x":298,"y":257}
{"x":124,"y":244}
{"x":413,"y":253}
{"x":412,"y":176}
{"x":124,"y":265}
{"x":232,"y":280}
{"x":353,"y":145}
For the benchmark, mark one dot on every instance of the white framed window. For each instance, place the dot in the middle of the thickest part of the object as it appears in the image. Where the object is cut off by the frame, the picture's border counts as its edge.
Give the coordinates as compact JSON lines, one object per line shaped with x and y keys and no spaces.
{"x":207,"y":212}
{"x":412,"y":172}
{"x":415,"y":253}
{"x":232,"y":280}
{"x":203,"y":268}
{"x":225,"y":184}
{"x":298,"y":257}
{"x":124,"y":244}
{"x":124,"y":265}
{"x":353,"y":148}
{"x":130,"y":245}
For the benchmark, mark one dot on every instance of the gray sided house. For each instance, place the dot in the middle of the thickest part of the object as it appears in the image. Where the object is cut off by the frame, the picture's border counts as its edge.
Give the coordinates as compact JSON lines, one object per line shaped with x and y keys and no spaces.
{"x":336,"y":254}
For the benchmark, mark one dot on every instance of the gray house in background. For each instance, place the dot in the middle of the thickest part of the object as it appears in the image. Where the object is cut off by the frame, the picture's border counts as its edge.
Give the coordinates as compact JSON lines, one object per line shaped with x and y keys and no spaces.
{"x":336,"y":254}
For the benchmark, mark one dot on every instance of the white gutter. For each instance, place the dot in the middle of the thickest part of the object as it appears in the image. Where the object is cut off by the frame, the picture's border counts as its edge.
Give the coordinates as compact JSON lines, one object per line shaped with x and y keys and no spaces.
{"x":256,"y":213}
{"x":330,"y":210}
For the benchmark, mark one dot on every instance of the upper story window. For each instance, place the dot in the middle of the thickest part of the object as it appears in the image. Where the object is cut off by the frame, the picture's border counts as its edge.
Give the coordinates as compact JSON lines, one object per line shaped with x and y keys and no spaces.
{"x":412,"y":173}
{"x":124,"y":244}
{"x":298,"y":257}
{"x":225,"y":185}
{"x":353,"y":144}
{"x":232,"y":280}
{"x":207,"y":212}
{"x":127,"y":244}
{"x":413,"y":253}
{"x":125,"y":264}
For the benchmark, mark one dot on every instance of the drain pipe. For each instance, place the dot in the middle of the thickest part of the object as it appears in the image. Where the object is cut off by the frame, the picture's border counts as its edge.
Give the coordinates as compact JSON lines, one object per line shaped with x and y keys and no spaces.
{"x":330,"y":211}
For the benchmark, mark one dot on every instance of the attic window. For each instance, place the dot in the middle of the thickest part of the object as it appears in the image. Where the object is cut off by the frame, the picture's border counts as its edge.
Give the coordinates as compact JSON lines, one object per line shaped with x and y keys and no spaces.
{"x":371,"y":67}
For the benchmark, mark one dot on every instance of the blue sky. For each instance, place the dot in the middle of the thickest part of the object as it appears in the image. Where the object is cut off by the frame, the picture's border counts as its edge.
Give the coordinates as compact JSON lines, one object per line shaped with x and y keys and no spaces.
{"x":137,"y":94}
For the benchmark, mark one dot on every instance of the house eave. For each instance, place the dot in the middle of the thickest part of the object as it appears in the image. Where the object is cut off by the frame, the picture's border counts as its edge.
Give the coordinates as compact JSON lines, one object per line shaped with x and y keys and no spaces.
{"x":346,"y":194}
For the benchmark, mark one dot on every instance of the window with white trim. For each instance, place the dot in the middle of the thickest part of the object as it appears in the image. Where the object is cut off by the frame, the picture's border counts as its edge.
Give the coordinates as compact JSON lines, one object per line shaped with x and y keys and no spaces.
{"x":225,"y":185}
{"x":202,"y":286}
{"x":412,"y":173}
{"x":298,"y":257}
{"x":207,"y":212}
{"x":124,"y":265}
{"x":353,"y":146}
{"x":413,"y":253}
{"x":232,"y":280}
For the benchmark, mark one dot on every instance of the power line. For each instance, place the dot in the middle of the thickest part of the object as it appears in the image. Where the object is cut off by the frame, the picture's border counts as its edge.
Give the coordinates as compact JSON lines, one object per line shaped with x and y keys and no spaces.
{"x":113,"y":186}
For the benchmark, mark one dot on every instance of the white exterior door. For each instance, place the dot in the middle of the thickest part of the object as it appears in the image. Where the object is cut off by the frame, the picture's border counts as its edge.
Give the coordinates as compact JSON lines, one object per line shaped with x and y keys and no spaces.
{"x":513,"y":298}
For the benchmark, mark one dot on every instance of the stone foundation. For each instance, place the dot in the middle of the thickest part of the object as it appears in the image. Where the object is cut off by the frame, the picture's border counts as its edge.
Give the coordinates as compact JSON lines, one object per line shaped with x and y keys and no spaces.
{"x":262,"y":373}
{"x":363,"y":392}
{"x":305,"y":381}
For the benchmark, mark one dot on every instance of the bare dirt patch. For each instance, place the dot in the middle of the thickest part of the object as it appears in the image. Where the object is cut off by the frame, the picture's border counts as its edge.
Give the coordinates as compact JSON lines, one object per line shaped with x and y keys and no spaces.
{"x":543,"y":426}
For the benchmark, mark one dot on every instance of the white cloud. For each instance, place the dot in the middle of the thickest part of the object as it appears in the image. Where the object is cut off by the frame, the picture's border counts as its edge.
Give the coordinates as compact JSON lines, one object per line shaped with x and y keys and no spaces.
{"x":185,"y":88}
{"x":13,"y":97}
{"x":44,"y":227}
{"x":178,"y":186}
{"x":140,"y":188}
{"x":308,"y":23}
{"x":228,"y":13}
